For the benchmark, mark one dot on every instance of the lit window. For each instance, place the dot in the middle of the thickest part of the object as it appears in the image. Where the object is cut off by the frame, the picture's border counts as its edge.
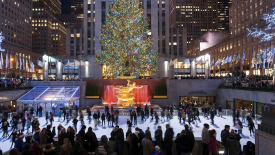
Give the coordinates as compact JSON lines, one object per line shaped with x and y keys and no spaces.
{"x":72,"y":35}
{"x":14,"y":35}
{"x":78,"y":35}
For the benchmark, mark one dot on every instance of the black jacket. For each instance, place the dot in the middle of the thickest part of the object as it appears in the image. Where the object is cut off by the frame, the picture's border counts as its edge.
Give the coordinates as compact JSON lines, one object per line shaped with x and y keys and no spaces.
{"x":119,"y":136}
{"x":192,"y":138}
{"x":224,"y":136}
{"x":184,"y":143}
{"x":134,"y":144}
{"x":168,"y":137}
{"x":27,"y":152}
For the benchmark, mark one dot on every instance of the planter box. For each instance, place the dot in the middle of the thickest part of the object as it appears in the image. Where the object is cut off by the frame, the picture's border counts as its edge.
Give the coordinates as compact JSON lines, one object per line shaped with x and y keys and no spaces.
{"x":160,"y":96}
{"x":97,"y":97}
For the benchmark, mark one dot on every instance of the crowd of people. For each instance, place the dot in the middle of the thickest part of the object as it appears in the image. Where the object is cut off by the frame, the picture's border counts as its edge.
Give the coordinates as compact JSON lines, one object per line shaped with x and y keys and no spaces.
{"x":74,"y":142}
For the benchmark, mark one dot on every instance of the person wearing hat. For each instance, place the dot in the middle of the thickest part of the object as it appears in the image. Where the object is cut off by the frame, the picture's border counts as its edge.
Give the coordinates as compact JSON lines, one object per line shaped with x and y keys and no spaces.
{"x":35,"y":148}
{"x":157,"y":151}
{"x":29,"y":139}
{"x":36,"y":136}
{"x":19,"y":142}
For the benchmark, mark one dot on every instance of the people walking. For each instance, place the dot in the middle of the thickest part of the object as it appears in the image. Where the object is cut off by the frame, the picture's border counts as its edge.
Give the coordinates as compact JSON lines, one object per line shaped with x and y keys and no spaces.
{"x":205,"y":139}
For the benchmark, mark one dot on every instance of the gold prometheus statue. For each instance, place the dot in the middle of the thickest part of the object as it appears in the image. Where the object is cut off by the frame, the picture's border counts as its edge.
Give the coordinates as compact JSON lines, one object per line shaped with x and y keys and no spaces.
{"x":125,"y":95}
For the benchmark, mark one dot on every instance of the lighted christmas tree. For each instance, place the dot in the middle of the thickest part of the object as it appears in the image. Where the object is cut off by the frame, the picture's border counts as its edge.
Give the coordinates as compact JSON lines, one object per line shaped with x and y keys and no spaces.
{"x":266,"y":34}
{"x":126,"y":48}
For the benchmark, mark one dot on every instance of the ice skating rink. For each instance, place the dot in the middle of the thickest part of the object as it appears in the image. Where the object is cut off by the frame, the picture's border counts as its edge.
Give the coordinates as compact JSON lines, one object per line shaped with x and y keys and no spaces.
{"x":220,"y":122}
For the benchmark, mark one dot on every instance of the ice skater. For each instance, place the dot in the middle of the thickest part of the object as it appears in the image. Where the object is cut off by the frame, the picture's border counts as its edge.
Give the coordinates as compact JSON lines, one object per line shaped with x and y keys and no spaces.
{"x":251,"y":127}
{"x":47,"y":116}
{"x":162,"y":116}
{"x":81,"y":118}
{"x":51,"y":118}
{"x":5,"y":129}
{"x":95,"y":117}
{"x":13,"y":135}
{"x":103,"y":119}
{"x":108,"y":118}
{"x":156,"y":117}
{"x":143,"y":116}
{"x":75,"y":123}
{"x":212,"y":115}
{"x":135,"y":118}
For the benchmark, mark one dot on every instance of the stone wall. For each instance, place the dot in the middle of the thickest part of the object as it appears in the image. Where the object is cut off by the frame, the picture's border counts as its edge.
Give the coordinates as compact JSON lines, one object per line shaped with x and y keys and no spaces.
{"x":255,"y":96}
{"x":264,"y":143}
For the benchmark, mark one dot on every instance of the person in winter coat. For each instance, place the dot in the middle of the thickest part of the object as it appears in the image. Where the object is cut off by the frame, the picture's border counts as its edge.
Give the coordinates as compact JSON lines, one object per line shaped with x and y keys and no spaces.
{"x":147,"y":144}
{"x":75,"y":123}
{"x":212,"y":115}
{"x":240,"y":127}
{"x":47,"y":117}
{"x":5,"y":129}
{"x":23,"y":123}
{"x":134,"y":150}
{"x":233,"y":144}
{"x":14,"y":135}
{"x":36,"y":136}
{"x":183,"y":115}
{"x":27,"y":150}
{"x":184,"y":143}
{"x":251,"y":127}
{"x":190,"y":134}
{"x":158,"y":136}
{"x":157,"y":151}
{"x":49,"y":134}
{"x":95,"y":117}
{"x":62,"y":135}
{"x":49,"y":150}
{"x":66,"y":148}
{"x":205,"y":138}
{"x":224,"y":136}
{"x":43,"y":137}
{"x":103,"y":119}
{"x":82,"y":134}
{"x":212,"y":145}
{"x":168,"y":139}
{"x":78,"y":146}
{"x":249,"y":148}
{"x":28,"y":125}
{"x":104,"y":142}
{"x":70,"y":135}
{"x":108,"y":118}
{"x":220,"y":111}
{"x":244,"y":113}
{"x":119,"y":140}
{"x":29,"y":139}
{"x":19,"y":142}
{"x":92,"y":141}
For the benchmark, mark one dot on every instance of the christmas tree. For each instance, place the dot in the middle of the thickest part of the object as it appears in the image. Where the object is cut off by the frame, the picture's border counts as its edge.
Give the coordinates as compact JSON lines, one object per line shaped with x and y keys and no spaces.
{"x":126,"y":48}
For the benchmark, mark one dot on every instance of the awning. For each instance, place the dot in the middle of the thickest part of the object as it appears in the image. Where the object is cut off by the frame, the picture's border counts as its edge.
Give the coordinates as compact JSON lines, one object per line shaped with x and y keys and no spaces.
{"x":51,"y":94}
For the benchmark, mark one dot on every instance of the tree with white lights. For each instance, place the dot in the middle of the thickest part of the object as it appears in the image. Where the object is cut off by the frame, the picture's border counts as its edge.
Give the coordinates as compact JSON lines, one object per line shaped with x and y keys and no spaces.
{"x":266,"y":33}
{"x":1,"y":39}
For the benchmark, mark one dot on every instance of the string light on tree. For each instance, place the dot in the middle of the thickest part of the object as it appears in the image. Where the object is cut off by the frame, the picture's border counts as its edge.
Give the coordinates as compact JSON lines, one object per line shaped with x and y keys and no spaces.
{"x":266,"y":33}
{"x":1,"y":40}
{"x":125,"y":46}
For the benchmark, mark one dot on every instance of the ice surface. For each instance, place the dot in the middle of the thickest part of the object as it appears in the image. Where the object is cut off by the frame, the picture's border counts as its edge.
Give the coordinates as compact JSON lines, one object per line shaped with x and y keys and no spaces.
{"x":5,"y":144}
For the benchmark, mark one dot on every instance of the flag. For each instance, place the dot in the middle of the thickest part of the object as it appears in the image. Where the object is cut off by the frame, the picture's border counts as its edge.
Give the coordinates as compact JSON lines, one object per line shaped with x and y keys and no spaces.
{"x":71,"y":65}
{"x":40,"y":63}
{"x":230,"y":58}
{"x":169,"y":64}
{"x":272,"y":54}
{"x":77,"y":62}
{"x":20,"y":62}
{"x":82,"y":63}
{"x":212,"y":63}
{"x":243,"y":57}
{"x":23,"y":63}
{"x":1,"y":61}
{"x":7,"y":60}
{"x":11,"y":62}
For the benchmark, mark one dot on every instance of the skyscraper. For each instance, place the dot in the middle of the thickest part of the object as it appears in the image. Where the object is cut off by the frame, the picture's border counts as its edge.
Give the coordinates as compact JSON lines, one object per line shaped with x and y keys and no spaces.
{"x":16,"y":27}
{"x":223,"y":14}
{"x":48,"y":32}
{"x":197,"y":16}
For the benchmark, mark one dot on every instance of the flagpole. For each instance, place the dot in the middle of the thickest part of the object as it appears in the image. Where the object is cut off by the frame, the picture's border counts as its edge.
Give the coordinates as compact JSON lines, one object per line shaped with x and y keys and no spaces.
{"x":80,"y":70}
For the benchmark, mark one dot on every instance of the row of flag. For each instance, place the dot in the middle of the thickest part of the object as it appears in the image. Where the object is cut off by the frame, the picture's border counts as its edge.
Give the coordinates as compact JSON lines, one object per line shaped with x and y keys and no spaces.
{"x":267,"y":56}
{"x":21,"y":63}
